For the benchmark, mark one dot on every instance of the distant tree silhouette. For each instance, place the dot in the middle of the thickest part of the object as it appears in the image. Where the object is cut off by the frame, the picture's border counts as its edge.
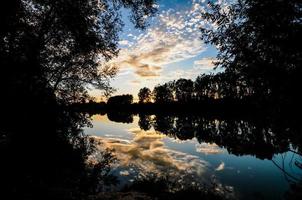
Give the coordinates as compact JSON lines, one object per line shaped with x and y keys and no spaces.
{"x":125,"y":99}
{"x":144,"y":95}
{"x":258,"y":44}
{"x":200,"y":88}
{"x":183,"y":90}
{"x":206,"y":86}
{"x":163,"y":93}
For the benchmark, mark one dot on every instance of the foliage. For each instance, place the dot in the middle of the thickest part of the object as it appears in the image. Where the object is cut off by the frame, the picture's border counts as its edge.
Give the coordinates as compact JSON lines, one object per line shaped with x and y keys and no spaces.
{"x":258,"y":44}
{"x":144,"y":95}
{"x":62,"y":46}
{"x":183,"y":89}
{"x":51,"y":53}
{"x":163,"y":93}
{"x":125,"y":99}
{"x":206,"y":86}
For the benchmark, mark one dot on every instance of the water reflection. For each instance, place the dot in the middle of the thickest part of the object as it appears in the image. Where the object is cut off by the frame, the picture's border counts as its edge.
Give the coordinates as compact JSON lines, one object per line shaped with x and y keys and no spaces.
{"x":177,"y":155}
{"x":260,"y":138}
{"x":45,"y":155}
{"x":147,"y":153}
{"x":234,"y":153}
{"x":208,"y":148}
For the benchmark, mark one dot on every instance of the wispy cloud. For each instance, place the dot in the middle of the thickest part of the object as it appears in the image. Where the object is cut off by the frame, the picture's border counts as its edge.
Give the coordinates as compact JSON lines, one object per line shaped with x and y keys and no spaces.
{"x":173,"y":37}
{"x":124,"y":42}
{"x":205,"y":63}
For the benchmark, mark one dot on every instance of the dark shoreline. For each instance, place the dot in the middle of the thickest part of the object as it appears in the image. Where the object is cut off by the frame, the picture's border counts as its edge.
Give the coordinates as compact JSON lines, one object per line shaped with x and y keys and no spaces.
{"x":233,"y":109}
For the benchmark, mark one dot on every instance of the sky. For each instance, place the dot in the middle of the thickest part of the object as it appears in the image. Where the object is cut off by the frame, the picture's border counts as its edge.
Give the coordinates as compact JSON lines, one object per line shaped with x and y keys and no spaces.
{"x":168,"y":49}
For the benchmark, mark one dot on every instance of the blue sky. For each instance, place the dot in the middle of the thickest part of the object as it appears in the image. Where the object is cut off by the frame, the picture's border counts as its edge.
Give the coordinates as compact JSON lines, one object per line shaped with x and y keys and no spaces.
{"x":169,"y":48}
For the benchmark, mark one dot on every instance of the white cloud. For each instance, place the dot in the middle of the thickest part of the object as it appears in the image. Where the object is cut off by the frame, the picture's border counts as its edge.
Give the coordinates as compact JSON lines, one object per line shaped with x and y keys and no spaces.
{"x":205,"y":63}
{"x":124,"y":42}
{"x":173,"y":37}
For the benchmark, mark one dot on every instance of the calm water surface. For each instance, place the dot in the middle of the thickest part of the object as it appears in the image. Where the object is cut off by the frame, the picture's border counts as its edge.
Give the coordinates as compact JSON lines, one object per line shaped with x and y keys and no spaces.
{"x":190,"y":156}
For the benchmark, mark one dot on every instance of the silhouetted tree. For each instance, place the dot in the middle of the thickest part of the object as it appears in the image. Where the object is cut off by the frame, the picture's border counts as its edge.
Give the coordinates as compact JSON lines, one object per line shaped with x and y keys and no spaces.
{"x":183,"y":90}
{"x":200,"y":87}
{"x":50,"y":53}
{"x":163,"y":94}
{"x":205,"y":86}
{"x":125,"y":99}
{"x":62,"y":46}
{"x":144,"y":95}
{"x":258,"y":43}
{"x":55,"y":157}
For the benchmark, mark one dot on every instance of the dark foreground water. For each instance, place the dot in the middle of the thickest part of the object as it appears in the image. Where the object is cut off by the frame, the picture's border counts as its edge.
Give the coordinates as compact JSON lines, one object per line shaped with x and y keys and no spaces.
{"x":247,"y":160}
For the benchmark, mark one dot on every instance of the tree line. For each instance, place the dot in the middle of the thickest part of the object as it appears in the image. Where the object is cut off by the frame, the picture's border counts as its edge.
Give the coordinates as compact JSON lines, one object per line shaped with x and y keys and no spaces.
{"x":259,"y":49}
{"x":205,"y":87}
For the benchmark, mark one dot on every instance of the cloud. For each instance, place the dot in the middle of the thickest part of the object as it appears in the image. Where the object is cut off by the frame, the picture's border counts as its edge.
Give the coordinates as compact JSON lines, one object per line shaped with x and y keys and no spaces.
{"x":135,"y":82}
{"x":173,"y":37}
{"x":124,"y":42}
{"x":146,"y":71}
{"x":141,"y":69}
{"x":205,"y":63}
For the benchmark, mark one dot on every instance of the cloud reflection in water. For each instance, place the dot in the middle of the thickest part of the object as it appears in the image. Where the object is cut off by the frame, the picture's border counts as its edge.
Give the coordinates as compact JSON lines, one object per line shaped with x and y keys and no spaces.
{"x":146,"y":153}
{"x":207,"y":148}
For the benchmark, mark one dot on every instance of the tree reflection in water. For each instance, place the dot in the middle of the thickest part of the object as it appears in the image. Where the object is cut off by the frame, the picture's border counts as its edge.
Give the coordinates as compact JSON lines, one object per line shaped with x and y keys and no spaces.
{"x":53,"y":158}
{"x":261,"y":137}
{"x":166,"y":188}
{"x":46,"y":156}
{"x":264,"y":138}
{"x":272,"y":138}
